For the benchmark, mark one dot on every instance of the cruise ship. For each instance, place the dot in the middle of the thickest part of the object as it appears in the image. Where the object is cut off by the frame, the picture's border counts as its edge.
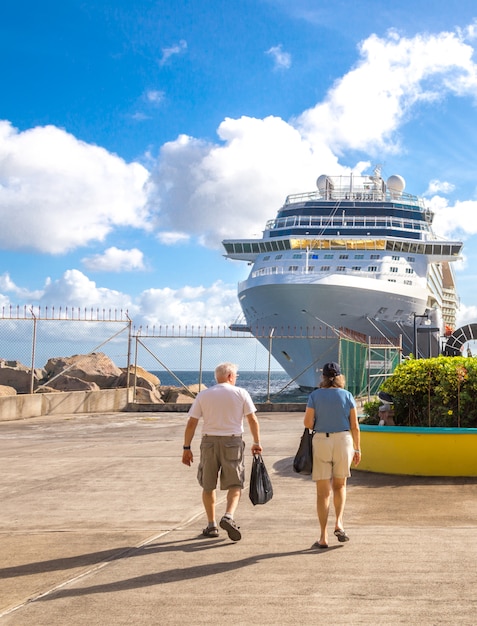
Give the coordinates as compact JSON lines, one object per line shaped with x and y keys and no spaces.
{"x":357,"y":258}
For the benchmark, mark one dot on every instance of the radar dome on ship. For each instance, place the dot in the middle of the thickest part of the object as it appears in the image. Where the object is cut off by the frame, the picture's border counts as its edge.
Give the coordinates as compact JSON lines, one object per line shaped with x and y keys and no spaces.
{"x":324,"y":182}
{"x":396,"y":185}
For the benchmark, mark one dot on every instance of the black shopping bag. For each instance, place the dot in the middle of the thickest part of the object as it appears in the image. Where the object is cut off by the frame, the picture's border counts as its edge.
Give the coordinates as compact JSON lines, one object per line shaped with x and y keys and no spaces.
{"x":303,"y":461}
{"x":261,"y":490}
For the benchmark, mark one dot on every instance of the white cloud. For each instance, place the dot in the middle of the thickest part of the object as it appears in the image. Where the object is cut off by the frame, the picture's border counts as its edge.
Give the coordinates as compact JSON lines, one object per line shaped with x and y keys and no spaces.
{"x":364,"y":109}
{"x":154,"y":96}
{"x":75,"y":289}
{"x":190,"y":306}
{"x":466,"y":315}
{"x":177,"y":48}
{"x":281,"y":59}
{"x":58,"y":193}
{"x":20,"y":293}
{"x":115,"y":260}
{"x":229,"y":190}
{"x":456,"y":220}
{"x":439,"y":186}
{"x":172,"y":238}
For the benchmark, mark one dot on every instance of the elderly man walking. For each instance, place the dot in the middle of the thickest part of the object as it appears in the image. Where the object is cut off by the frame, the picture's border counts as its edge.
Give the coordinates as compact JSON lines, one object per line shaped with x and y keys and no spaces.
{"x":222,"y":409}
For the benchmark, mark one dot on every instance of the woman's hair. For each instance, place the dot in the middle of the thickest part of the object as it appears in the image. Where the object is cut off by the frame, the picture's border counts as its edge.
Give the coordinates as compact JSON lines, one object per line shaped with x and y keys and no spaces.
{"x":332,"y":381}
{"x":223,"y":371}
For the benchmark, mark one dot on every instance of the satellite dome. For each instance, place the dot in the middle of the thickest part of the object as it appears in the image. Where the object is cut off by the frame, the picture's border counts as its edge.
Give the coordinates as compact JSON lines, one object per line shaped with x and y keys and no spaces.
{"x":396,"y":185}
{"x":324,"y":182}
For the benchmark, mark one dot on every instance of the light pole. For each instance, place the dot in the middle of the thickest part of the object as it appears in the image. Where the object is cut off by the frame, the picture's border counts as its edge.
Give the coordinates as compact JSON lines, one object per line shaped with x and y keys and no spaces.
{"x":428,"y":329}
{"x":416,"y":347}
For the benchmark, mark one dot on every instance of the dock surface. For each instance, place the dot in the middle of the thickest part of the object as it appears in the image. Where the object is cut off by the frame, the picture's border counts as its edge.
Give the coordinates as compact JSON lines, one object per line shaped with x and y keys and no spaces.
{"x":100,"y":524}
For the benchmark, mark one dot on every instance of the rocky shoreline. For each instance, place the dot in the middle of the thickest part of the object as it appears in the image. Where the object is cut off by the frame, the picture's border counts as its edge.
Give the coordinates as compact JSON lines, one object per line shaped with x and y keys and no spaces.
{"x":89,"y":372}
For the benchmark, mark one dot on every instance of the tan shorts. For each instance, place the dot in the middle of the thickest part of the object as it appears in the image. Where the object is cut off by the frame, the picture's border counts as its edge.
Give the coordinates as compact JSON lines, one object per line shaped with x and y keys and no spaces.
{"x":222,"y":455}
{"x":332,"y":455}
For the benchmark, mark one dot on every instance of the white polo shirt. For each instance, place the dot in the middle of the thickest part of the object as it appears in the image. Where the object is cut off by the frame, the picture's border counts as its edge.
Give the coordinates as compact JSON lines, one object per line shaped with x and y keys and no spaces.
{"x":222,"y":409}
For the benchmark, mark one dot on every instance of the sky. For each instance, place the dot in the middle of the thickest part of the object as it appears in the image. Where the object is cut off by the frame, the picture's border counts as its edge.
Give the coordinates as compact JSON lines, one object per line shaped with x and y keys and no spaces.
{"x":136,"y":136}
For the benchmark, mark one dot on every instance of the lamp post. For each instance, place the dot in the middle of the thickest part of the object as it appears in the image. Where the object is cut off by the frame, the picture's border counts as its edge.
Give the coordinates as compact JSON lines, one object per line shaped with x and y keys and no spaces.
{"x":428,"y":329}
{"x":416,"y":347}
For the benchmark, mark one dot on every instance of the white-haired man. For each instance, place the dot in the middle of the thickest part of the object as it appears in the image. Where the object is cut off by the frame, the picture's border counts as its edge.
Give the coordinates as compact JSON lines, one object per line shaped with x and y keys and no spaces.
{"x":222,"y":408}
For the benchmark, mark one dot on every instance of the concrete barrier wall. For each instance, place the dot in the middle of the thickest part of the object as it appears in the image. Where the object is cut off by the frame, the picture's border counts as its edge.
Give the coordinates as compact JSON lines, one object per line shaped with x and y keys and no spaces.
{"x":66,"y":402}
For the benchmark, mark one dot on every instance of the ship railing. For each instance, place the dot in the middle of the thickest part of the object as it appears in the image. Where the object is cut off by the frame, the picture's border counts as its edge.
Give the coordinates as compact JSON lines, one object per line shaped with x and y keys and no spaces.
{"x":357,"y":195}
{"x":352,"y":222}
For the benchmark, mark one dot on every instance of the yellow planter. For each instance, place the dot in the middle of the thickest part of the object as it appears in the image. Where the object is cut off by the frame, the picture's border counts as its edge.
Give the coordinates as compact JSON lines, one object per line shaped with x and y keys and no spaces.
{"x":419,"y":451}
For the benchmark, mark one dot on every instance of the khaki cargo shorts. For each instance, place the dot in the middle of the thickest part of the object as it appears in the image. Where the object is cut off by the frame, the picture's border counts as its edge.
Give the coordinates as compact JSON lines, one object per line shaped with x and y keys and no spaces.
{"x":222,"y":455}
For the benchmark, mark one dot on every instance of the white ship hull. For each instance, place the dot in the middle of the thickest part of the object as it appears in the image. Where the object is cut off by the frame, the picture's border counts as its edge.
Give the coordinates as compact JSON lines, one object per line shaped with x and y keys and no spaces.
{"x":303,"y":322}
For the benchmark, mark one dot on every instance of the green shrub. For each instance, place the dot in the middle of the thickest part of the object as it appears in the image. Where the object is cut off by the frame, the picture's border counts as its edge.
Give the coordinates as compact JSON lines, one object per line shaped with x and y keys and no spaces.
{"x":371,"y":412}
{"x":435,"y":392}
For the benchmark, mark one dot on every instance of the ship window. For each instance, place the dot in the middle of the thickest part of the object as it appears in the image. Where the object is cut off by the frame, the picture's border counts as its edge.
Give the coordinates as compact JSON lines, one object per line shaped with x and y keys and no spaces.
{"x":408,"y":282}
{"x":409,"y":270}
{"x":255,"y":247}
{"x":374,"y":256}
{"x":356,"y":268}
{"x":343,"y":256}
{"x":372,"y":268}
{"x":310,"y":268}
{"x":391,"y":280}
{"x":411,"y":259}
{"x":329,"y":256}
{"x":279,"y":256}
{"x":359,"y":256}
{"x":266,"y":258}
{"x":297,"y":256}
{"x":395,"y":258}
{"x":247,"y":247}
{"x":315,"y":256}
{"x":341,"y":268}
{"x":325,"y":268}
{"x":394,"y":270}
{"x":293,"y":268}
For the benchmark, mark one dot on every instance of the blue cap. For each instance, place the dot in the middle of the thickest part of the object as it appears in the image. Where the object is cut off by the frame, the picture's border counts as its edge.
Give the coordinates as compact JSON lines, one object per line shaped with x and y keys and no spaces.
{"x":330,"y":370}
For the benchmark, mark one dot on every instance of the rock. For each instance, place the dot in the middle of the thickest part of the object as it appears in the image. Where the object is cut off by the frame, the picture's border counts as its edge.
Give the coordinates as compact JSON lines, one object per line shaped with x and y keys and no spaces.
{"x":146,"y":396}
{"x":180,"y":395}
{"x":5,"y":390}
{"x":94,"y":368}
{"x":143,"y":378}
{"x":71,"y":383}
{"x":47,"y":390}
{"x":14,"y":374}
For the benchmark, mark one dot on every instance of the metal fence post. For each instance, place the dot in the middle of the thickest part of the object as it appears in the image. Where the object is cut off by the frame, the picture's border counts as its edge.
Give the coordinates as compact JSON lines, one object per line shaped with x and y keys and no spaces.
{"x":33,"y":347}
{"x":270,"y":339}
{"x":200,"y":361}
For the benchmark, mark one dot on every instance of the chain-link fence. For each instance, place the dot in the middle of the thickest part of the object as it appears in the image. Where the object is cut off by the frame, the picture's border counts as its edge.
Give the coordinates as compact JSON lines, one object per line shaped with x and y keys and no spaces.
{"x":179,"y":356}
{"x":30,"y":337}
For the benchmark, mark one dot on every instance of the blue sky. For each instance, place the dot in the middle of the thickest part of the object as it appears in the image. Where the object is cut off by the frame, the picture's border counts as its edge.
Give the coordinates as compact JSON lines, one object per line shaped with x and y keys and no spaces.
{"x":135,"y":136}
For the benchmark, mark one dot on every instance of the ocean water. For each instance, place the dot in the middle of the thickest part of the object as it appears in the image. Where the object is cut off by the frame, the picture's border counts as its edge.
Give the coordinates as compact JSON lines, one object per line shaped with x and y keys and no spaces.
{"x":256,"y":383}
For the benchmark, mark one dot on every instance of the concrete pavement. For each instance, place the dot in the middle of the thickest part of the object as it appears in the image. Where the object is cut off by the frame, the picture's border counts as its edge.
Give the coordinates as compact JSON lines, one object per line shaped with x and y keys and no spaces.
{"x":100,"y":524}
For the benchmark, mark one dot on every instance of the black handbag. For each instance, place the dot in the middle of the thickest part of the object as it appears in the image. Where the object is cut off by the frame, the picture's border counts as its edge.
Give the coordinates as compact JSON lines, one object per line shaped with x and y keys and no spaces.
{"x":260,"y":490}
{"x":303,"y":461}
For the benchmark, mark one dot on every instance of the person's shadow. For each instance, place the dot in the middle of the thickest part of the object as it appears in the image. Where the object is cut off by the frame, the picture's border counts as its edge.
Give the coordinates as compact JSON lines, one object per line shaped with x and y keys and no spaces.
{"x":178,"y":574}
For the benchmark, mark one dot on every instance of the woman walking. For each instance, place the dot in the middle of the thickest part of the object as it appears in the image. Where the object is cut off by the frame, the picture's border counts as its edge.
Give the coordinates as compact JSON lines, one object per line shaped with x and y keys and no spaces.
{"x":331,"y":413}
